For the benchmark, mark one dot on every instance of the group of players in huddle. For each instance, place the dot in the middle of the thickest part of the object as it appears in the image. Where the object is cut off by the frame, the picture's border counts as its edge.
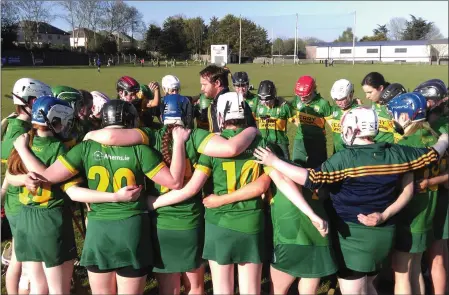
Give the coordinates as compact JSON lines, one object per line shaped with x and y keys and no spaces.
{"x":163,"y":195}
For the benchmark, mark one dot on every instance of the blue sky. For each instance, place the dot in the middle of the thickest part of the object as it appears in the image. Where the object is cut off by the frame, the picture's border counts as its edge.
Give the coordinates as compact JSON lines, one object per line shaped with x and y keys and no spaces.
{"x":322,"y":19}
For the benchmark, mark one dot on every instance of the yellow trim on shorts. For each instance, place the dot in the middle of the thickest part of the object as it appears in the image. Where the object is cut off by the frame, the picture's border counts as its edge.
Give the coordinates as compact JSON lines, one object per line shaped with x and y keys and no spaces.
{"x":68,"y":165}
{"x":156,"y":170}
{"x":71,"y":183}
{"x":145,"y":138}
{"x":206,"y":170}
{"x":205,"y":142}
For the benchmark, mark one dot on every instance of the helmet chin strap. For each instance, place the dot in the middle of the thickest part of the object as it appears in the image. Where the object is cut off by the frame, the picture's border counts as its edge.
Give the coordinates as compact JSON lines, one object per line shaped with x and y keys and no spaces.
{"x":50,"y":126}
{"x":22,"y":106}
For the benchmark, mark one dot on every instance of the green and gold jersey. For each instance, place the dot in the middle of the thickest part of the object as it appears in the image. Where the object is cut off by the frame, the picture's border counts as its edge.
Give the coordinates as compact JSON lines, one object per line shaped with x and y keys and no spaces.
{"x":290,"y":225}
{"x":47,"y":150}
{"x":441,"y":125}
{"x":418,"y":215}
{"x":334,"y":122}
{"x":311,"y":117}
{"x":201,"y":112}
{"x":187,"y":214}
{"x":110,"y":168}
{"x":16,"y":127}
{"x":272,"y":122}
{"x":252,"y":100}
{"x":386,"y":127}
{"x":229,"y":175}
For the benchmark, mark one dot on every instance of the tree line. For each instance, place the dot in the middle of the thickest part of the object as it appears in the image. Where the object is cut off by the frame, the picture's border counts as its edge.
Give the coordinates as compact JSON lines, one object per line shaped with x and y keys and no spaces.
{"x":178,"y":36}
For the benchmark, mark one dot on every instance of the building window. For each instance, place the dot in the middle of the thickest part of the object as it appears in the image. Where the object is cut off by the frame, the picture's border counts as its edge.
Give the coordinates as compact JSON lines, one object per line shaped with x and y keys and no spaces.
{"x":372,"y":50}
{"x":400,"y":50}
{"x":342,"y":51}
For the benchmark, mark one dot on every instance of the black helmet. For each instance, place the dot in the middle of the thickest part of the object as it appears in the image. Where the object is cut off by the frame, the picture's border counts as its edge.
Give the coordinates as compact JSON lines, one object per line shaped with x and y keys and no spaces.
{"x":432,"y":89}
{"x":267,"y":90}
{"x":240,"y":79}
{"x":129,"y":84}
{"x":391,"y":91}
{"x":119,"y":112}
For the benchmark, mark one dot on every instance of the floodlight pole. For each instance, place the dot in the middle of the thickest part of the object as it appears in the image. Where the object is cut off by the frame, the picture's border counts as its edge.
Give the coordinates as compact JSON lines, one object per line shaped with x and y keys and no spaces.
{"x":353,"y":37}
{"x":240,"y":47}
{"x":296,"y":38}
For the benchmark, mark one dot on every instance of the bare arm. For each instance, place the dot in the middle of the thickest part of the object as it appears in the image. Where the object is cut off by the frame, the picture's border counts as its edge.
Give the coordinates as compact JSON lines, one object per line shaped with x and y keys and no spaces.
{"x":406,"y":195}
{"x":120,"y":137}
{"x":85,"y":195}
{"x":154,"y":87}
{"x":30,"y":161}
{"x":15,"y":180}
{"x":225,"y":148}
{"x":249,"y":191}
{"x":176,"y":196}
{"x":4,"y":188}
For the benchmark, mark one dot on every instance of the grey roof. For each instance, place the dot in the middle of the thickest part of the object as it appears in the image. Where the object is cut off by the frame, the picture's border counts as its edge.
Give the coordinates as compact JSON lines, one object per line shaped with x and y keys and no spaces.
{"x":44,"y":28}
{"x":381,"y":43}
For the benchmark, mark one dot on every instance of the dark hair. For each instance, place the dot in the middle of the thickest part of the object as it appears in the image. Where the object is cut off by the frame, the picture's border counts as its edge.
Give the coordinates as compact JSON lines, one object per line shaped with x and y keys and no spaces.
{"x":215,"y":73}
{"x":86,"y":95}
{"x":167,"y":143}
{"x":375,"y":80}
{"x":241,"y":123}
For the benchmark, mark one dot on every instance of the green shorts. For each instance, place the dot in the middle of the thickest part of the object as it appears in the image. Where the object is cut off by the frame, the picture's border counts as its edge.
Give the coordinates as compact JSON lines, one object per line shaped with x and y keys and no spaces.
{"x":309,"y":153}
{"x":441,"y":218}
{"x":177,"y":250}
{"x":45,"y":235}
{"x":409,"y":242}
{"x":362,"y":248}
{"x":226,"y":246}
{"x":113,"y":244}
{"x":12,"y":220}
{"x":304,"y":261}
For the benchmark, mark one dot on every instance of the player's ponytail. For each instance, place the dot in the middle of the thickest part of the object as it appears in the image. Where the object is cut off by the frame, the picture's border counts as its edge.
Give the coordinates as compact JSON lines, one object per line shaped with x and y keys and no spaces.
{"x":167,"y":140}
{"x":15,"y":163}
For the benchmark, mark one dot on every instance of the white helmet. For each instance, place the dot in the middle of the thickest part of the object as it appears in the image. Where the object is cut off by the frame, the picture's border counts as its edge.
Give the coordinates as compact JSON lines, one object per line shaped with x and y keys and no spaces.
{"x":230,"y":106}
{"x":26,"y":88}
{"x":99,"y":99}
{"x":342,"y":90}
{"x":170,"y":82}
{"x":359,"y":122}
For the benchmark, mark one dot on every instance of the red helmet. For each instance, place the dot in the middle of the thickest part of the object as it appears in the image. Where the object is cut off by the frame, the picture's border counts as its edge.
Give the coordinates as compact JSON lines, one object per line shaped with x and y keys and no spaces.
{"x":128,"y":84}
{"x":305,"y":86}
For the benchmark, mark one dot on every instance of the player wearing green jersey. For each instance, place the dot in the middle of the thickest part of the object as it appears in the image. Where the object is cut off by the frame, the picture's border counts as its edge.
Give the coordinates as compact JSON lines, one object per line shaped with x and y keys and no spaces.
{"x":231,"y":226}
{"x":414,"y":233}
{"x":342,"y":93}
{"x":25,"y":92}
{"x":118,"y":242}
{"x":435,"y":92}
{"x":362,"y":180}
{"x":240,"y":81}
{"x":272,"y":115}
{"x":373,"y":84}
{"x":309,"y":148}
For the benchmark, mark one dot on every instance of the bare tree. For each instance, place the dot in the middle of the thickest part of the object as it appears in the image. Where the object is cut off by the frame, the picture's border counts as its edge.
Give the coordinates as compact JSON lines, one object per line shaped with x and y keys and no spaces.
{"x":135,"y":24}
{"x":395,"y":27}
{"x":76,"y":16}
{"x":32,"y":13}
{"x":94,"y":15}
{"x":116,"y":19}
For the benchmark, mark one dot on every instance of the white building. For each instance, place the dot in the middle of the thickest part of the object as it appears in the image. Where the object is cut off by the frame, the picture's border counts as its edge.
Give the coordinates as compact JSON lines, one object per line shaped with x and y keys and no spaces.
{"x":381,"y":51}
{"x":81,"y":37}
{"x":41,"y":33}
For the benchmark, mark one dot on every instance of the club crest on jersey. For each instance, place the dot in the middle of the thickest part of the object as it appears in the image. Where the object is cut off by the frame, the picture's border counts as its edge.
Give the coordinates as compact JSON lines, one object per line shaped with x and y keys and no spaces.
{"x":299,"y":105}
{"x":335,"y":114}
{"x":316,"y":108}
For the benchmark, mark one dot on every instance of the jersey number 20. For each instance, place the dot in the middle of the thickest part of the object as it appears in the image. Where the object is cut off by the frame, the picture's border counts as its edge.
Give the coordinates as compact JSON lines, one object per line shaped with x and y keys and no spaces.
{"x":104,"y":177}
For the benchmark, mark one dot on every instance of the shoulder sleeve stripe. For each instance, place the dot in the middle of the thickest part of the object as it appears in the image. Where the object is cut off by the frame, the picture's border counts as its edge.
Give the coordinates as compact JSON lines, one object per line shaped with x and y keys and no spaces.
{"x":205,"y":142}
{"x":4,"y":161}
{"x":204,"y":169}
{"x":68,"y":165}
{"x":267,"y":170}
{"x":71,"y":183}
{"x":145,"y":138}
{"x":153,"y":172}
{"x":336,"y":176}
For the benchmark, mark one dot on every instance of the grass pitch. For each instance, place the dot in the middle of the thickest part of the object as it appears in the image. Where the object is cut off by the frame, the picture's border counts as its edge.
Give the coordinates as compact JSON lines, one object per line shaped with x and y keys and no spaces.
{"x":284,"y":78}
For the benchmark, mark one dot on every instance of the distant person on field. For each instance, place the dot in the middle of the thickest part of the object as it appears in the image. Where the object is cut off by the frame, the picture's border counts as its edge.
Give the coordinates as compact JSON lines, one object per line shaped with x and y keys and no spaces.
{"x":98,"y":65}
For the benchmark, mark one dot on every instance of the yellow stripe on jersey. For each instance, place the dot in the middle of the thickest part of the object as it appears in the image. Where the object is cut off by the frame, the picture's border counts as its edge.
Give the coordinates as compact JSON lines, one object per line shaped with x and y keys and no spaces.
{"x":69,"y":144}
{"x":155,"y":171}
{"x":335,"y":176}
{"x":145,"y":139}
{"x":267,"y":169}
{"x":204,"y":169}
{"x":4,"y":161}
{"x":335,"y":125}
{"x":311,"y":120}
{"x":386,"y":125}
{"x":71,"y":183}
{"x":204,"y":143}
{"x":275,"y":124}
{"x":68,"y":165}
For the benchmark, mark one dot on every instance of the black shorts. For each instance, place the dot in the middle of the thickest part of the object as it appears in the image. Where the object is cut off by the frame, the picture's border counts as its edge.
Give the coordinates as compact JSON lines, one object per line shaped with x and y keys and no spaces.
{"x":126,"y":271}
{"x":349,"y":274}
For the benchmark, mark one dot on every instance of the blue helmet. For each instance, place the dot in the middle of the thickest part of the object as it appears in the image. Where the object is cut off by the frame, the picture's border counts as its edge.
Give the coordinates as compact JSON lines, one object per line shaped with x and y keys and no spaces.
{"x":175,"y":109}
{"x":432,"y":89}
{"x":50,"y":111}
{"x":413,"y":104}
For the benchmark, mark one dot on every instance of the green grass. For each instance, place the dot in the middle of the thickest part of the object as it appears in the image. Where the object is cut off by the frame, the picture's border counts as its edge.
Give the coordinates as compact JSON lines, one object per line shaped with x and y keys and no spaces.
{"x":283,"y":76}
